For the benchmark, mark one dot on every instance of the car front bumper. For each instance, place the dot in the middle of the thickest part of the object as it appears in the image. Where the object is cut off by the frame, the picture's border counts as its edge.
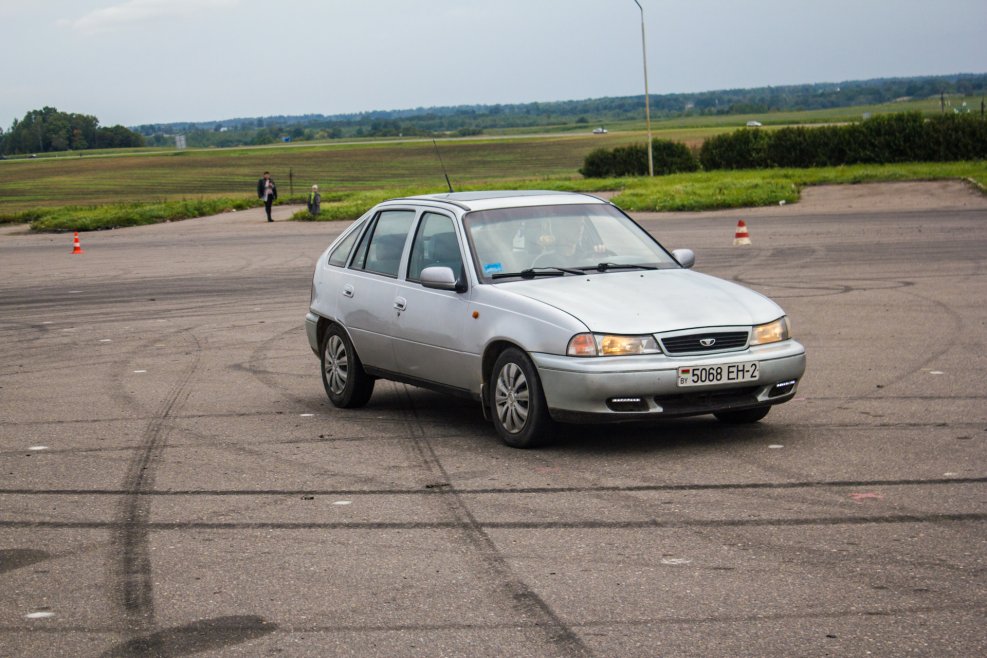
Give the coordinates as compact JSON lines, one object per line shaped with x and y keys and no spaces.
{"x":614,"y":389}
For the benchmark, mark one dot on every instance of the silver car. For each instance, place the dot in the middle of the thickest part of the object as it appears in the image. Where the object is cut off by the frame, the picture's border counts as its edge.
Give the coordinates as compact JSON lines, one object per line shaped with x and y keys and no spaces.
{"x":544,"y":307}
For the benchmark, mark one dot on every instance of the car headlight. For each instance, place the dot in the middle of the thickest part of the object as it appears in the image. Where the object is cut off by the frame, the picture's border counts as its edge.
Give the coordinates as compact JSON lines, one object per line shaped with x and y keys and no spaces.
{"x":772,"y":332}
{"x":611,"y":345}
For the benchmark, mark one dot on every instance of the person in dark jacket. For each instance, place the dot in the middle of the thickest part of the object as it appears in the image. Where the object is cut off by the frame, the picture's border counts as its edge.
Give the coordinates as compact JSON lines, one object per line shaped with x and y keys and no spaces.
{"x":268,"y":191}
{"x":314,"y":201}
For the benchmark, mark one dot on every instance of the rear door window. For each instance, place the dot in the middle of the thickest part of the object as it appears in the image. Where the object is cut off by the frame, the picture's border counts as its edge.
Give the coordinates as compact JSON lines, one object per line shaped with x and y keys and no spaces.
{"x":381,"y":248}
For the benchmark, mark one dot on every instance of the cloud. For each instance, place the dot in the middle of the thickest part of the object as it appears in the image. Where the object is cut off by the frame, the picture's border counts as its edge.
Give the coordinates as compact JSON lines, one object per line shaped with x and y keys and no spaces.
{"x":132,"y":13}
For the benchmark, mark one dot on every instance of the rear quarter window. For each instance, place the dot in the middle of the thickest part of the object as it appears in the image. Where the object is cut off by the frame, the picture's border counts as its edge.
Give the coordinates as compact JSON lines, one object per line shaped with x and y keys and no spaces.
{"x":341,"y":254}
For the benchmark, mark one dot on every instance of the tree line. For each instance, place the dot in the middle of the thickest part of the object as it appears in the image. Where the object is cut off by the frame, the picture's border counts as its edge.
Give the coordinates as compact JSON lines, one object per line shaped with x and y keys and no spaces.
{"x":464,"y":120}
{"x":47,"y":130}
{"x":50,"y":130}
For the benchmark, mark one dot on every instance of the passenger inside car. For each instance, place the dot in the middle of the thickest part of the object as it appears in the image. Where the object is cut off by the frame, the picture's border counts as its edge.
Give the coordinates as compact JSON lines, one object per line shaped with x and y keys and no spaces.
{"x":385,"y":254}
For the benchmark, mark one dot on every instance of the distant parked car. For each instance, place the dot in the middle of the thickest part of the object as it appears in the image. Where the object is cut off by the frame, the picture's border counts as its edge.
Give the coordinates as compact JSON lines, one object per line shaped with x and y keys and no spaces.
{"x":544,"y":307}
{"x":600,"y":131}
{"x":754,"y":124}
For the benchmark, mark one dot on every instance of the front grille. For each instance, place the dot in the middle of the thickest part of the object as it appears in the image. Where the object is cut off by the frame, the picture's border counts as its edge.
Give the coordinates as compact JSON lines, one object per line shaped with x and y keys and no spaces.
{"x":707,"y":401}
{"x":692,"y":343}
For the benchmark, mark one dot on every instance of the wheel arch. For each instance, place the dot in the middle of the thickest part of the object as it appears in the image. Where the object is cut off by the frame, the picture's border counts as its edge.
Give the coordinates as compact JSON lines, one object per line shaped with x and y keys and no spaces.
{"x":322,"y":326}
{"x":490,"y":354}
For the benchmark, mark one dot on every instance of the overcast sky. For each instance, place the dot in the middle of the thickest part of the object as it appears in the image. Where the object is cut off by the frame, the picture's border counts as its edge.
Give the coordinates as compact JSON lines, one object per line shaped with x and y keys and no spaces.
{"x":155,"y":61}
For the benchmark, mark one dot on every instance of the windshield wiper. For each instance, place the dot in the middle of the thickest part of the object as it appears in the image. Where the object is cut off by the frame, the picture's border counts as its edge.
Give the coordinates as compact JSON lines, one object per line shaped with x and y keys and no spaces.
{"x":603,"y":267}
{"x":532,"y":272}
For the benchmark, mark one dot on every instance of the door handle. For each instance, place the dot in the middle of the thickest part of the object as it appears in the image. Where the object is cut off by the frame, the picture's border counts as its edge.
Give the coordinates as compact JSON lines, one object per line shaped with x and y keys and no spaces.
{"x":400,"y":303}
{"x":347,"y":290}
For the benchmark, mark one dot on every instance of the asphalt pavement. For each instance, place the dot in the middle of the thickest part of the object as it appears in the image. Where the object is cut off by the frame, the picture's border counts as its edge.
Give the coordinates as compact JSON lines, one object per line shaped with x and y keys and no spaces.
{"x":174,"y":481}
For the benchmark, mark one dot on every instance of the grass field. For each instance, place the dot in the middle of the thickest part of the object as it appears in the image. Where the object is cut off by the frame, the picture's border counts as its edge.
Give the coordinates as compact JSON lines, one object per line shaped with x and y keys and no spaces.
{"x":28,"y":184}
{"x":147,"y":175}
{"x":101,"y":188}
{"x":761,"y":187}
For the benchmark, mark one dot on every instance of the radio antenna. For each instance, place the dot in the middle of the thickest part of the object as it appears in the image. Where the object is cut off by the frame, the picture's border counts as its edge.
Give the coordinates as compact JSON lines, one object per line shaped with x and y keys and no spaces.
{"x":443,"y":165}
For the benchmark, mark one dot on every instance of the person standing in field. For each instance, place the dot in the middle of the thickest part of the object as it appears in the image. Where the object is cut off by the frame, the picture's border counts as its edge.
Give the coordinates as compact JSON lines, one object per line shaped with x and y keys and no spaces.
{"x":314,"y":201}
{"x":268,"y":191}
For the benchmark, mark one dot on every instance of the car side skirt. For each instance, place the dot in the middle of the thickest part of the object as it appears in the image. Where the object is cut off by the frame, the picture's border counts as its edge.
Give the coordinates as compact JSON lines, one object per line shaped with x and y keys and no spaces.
{"x":421,"y":383}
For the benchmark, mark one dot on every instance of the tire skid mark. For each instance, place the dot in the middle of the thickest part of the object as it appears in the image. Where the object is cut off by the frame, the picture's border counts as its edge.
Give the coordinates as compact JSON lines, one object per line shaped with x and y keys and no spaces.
{"x":21,"y":333}
{"x":796,"y":291}
{"x":515,"y":491}
{"x":259,"y":451}
{"x":779,"y":257}
{"x":748,"y":532}
{"x":163,"y":308}
{"x":254,"y":368}
{"x":125,"y":399}
{"x":528,"y":603}
{"x":355,"y":415}
{"x":939,"y":520}
{"x":940,"y":347}
{"x":30,"y":356}
{"x":134,"y":580}
{"x":299,"y":629}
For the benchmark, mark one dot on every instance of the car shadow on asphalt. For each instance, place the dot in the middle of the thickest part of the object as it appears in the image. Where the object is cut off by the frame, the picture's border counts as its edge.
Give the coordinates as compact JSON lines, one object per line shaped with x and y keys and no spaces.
{"x":667,"y":435}
{"x":442,"y":415}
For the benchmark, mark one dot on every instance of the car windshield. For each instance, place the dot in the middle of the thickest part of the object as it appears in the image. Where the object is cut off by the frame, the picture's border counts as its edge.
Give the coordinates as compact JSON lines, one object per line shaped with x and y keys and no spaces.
{"x":558,"y":240}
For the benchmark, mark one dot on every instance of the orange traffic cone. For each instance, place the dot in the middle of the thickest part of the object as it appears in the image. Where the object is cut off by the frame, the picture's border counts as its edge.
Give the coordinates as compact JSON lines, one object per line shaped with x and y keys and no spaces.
{"x":76,"y":247}
{"x":741,"y":237}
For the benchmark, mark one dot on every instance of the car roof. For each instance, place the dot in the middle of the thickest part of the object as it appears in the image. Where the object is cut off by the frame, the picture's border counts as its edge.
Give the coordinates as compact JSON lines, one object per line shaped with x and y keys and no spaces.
{"x":488,"y":200}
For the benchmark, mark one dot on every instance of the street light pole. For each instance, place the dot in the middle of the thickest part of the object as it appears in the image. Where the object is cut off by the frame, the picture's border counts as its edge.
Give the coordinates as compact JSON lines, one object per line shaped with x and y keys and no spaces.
{"x":647,"y":102}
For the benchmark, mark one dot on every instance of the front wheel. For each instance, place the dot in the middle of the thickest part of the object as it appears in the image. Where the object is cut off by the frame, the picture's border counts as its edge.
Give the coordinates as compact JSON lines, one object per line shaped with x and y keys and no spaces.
{"x":347,"y":385}
{"x":520,"y":413}
{"x":744,"y":416}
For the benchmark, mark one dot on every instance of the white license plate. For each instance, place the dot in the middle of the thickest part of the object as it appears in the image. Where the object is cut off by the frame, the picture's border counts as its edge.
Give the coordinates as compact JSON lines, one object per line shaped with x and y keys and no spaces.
{"x":719,"y":374}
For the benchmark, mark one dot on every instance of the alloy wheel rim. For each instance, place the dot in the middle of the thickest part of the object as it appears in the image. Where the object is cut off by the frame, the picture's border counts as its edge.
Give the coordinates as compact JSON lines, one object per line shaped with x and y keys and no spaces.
{"x":336,"y":365}
{"x":511,"y":398}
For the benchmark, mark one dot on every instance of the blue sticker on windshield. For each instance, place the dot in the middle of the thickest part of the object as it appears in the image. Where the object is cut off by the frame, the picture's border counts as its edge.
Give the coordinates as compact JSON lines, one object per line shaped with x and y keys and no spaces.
{"x":493,"y":268}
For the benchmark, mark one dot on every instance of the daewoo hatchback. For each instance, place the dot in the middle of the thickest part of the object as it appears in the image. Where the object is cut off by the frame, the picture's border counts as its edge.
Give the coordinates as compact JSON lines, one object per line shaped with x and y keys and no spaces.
{"x":545,"y":307}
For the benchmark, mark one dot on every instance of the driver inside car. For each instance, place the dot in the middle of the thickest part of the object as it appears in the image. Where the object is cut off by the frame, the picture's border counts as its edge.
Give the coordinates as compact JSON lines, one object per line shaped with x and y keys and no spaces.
{"x":568,"y":244}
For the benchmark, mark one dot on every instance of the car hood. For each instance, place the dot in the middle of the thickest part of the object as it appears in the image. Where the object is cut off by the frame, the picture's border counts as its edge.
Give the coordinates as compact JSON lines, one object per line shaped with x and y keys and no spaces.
{"x":647,"y":302}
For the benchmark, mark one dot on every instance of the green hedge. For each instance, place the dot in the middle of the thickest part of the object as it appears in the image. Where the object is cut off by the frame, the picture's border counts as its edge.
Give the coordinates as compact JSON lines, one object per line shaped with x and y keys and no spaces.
{"x":668,"y":158}
{"x":891,"y":138}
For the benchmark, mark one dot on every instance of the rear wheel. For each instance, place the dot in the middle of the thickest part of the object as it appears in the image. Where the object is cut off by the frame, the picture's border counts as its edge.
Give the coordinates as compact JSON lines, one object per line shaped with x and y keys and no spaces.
{"x":744,"y":416}
{"x":347,"y":385}
{"x":517,"y":403}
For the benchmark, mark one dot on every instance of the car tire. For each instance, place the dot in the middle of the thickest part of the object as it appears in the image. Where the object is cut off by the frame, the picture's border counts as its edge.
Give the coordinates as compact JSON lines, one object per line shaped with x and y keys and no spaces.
{"x":744,"y":416}
{"x":517,"y":403}
{"x":347,"y":384}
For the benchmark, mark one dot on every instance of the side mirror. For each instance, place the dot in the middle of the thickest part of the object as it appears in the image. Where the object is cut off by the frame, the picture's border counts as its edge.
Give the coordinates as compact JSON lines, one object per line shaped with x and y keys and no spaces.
{"x":441,"y":278}
{"x":685,"y":257}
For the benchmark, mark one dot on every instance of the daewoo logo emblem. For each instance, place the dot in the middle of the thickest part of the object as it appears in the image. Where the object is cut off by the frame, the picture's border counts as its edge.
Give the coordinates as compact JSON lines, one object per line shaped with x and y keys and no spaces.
{"x":707,"y":342}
